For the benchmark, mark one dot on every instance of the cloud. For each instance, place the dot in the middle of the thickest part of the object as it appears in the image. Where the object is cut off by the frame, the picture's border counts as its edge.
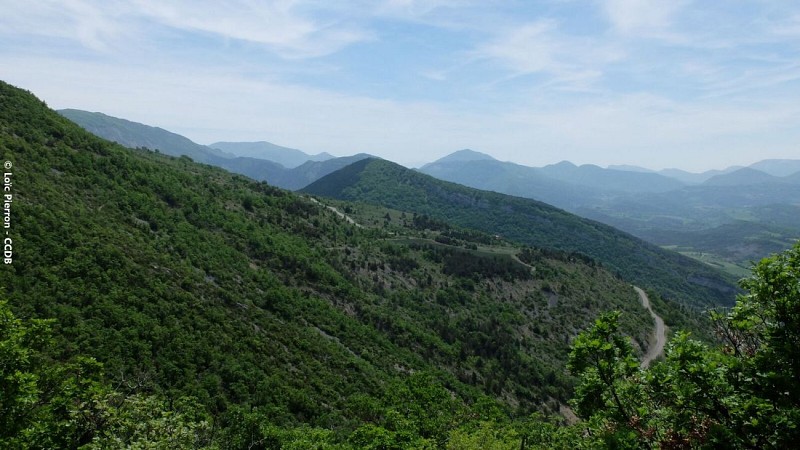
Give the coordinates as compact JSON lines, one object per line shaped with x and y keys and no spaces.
{"x":533,"y":85}
{"x":91,"y":24}
{"x":528,"y":49}
{"x":788,"y":27}
{"x":279,"y":25}
{"x":641,"y":16}
{"x":540,"y":48}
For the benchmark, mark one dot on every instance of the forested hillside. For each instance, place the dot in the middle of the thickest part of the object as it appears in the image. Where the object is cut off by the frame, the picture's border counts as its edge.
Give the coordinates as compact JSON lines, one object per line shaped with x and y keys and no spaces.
{"x":727,"y":219}
{"x":268,"y":309}
{"x":676,"y":277}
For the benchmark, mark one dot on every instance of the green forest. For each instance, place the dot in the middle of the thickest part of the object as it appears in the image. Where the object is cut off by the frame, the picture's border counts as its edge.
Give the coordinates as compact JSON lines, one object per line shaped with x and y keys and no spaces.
{"x":675,"y":277}
{"x":154,"y":302}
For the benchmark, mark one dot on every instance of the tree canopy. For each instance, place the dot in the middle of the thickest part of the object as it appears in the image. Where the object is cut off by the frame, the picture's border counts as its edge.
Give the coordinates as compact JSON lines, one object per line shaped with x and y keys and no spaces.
{"x":742,"y":393}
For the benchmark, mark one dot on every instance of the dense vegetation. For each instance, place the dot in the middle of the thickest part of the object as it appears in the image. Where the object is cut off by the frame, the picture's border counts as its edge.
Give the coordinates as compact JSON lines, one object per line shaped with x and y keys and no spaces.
{"x":206,"y":298}
{"x":743,"y":393}
{"x":192,"y":308}
{"x":675,"y":277}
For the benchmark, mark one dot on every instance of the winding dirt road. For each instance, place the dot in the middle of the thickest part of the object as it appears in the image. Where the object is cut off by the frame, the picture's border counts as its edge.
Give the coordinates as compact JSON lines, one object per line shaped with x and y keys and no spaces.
{"x":661,"y":333}
{"x":341,"y":215}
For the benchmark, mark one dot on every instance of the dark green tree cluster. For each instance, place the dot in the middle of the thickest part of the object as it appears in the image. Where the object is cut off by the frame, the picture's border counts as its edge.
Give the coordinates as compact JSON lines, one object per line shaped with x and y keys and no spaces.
{"x":45,"y":403}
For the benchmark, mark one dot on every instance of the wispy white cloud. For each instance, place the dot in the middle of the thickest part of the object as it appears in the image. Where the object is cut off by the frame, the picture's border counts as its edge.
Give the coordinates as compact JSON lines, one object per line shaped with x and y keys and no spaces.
{"x":282,"y":26}
{"x":787,"y":26}
{"x":642,"y":16}
{"x":624,"y":81}
{"x":279,"y":25}
{"x":541,"y":48}
{"x":527,"y":49}
{"x":92,"y":24}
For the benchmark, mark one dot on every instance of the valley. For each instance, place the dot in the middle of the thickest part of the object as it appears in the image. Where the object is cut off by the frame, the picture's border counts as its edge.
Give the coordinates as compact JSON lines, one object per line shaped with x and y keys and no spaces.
{"x":378,"y":307}
{"x":270,"y":307}
{"x":728,"y":218}
{"x":400,"y":225}
{"x":737,"y":216}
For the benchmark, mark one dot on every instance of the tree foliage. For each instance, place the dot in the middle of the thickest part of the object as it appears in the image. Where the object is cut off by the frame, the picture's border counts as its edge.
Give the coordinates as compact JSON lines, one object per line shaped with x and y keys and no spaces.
{"x":741,"y":393}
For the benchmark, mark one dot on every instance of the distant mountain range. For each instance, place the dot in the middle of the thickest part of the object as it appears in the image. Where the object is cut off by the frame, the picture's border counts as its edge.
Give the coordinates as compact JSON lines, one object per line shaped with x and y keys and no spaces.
{"x":280,"y":166}
{"x":664,"y":207}
{"x":774,"y":167}
{"x":747,"y":176}
{"x":133,"y":135}
{"x":287,"y":157}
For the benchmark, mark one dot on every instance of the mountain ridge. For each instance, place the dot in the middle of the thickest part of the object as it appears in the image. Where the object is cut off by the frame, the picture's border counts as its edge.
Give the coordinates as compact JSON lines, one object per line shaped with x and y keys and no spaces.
{"x":255,"y":301}
{"x":388,"y":184}
{"x":135,"y":135}
{"x":285,"y":156}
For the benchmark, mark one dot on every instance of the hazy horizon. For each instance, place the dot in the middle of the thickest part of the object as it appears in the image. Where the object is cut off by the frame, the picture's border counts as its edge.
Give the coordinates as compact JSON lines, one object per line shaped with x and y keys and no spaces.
{"x":685,"y":84}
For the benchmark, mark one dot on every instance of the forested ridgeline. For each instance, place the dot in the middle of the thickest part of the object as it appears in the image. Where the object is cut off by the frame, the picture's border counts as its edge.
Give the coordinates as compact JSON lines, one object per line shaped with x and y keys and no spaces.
{"x":156,"y":303}
{"x":252,"y":315}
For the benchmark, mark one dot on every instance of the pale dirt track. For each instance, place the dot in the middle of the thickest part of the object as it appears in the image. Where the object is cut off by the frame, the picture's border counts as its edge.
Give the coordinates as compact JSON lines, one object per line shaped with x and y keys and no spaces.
{"x":661,"y":332}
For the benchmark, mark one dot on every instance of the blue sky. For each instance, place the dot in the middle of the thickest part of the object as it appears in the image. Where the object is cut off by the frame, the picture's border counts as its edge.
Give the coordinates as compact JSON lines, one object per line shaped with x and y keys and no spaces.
{"x":656,"y":83}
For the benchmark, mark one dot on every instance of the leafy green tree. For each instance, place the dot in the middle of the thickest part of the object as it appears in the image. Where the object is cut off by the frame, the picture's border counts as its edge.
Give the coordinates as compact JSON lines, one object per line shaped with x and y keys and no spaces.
{"x":487,"y":436}
{"x":604,"y":360}
{"x":610,"y":384}
{"x":44,"y":403}
{"x":744,"y":393}
{"x":147,"y":422}
{"x":763,"y":334}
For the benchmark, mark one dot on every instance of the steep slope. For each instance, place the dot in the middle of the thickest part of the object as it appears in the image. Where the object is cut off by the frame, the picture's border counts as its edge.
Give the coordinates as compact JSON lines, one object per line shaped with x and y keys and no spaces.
{"x":285,"y":156}
{"x":311,"y":171}
{"x":136,"y":135}
{"x":187,"y":280}
{"x":531,"y":222}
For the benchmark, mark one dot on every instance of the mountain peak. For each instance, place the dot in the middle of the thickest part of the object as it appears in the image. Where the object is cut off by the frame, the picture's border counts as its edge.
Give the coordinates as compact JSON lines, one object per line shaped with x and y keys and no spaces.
{"x":742,"y":177}
{"x":285,"y":156}
{"x":629,"y":168}
{"x":778,"y":167}
{"x":465,"y":155}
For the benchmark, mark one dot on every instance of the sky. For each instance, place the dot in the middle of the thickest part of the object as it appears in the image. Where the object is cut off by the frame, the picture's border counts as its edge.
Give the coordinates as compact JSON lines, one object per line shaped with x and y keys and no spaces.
{"x":655,"y":83}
